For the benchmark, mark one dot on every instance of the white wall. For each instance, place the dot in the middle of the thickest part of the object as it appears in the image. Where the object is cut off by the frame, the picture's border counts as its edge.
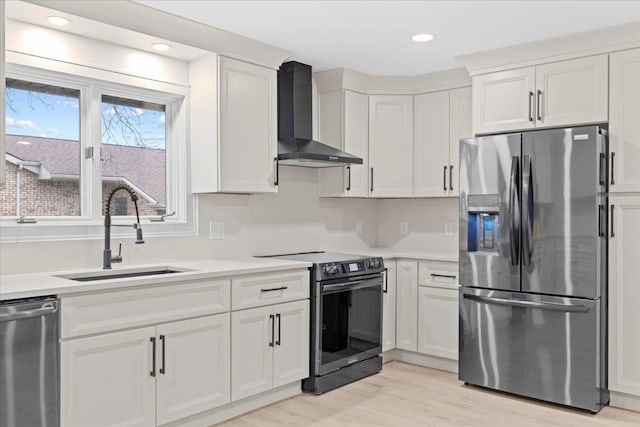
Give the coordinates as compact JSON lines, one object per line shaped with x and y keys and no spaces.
{"x":294,"y":219}
{"x":426,"y":218}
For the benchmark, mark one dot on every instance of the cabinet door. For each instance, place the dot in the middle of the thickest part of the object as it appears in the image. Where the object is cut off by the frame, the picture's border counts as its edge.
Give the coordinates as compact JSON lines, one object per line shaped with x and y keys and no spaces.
{"x":503,"y":101}
{"x":332,"y":182}
{"x":407,"y":305}
{"x":291,"y":351}
{"x":438,"y":322}
{"x":431,"y":127}
{"x":248,"y":133}
{"x":572,"y":92}
{"x":391,"y":146}
{"x":106,"y":380}
{"x":356,"y":142}
{"x":252,"y":341}
{"x":624,"y":122}
{"x":459,"y":127}
{"x":193,"y":366}
{"x":624,"y":294}
{"x":389,"y":307}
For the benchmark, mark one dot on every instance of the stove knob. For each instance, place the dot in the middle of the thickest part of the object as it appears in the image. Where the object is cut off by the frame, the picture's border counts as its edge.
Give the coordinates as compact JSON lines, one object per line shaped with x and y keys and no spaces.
{"x":331,"y":269}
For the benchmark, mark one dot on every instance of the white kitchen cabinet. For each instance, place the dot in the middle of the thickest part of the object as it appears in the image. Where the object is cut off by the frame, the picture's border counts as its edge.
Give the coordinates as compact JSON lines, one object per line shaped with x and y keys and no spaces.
{"x":438,"y":274}
{"x":390,"y":146}
{"x":440,"y":120}
{"x":438,"y":322}
{"x":624,"y":122}
{"x":431,"y":130}
{"x":233,"y":126}
{"x":3,"y":166}
{"x":270,"y":347}
{"x":113,"y":379}
{"x":459,"y":127}
{"x":624,"y":294}
{"x":193,"y":366}
{"x":344,"y":124}
{"x":389,"y":306}
{"x":106,"y":380}
{"x":504,"y":100}
{"x":407,"y":305}
{"x":561,"y":93}
{"x":572,"y":92}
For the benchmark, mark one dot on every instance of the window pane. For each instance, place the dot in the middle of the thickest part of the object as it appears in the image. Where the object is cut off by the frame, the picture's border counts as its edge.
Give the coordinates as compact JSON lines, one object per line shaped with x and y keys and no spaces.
{"x":43,"y":150}
{"x":133,"y":153}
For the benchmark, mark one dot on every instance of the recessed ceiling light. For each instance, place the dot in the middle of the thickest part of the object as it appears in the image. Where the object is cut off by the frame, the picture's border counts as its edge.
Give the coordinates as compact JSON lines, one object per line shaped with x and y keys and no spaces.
{"x":160,"y":46}
{"x":24,"y":142}
{"x":422,"y":37}
{"x":58,"y":20}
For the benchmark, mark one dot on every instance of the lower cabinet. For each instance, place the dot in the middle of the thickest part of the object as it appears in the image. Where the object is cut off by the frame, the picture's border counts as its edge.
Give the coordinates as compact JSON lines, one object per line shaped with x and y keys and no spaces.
{"x":270,"y":347}
{"x":146,"y":376}
{"x":407,"y":305}
{"x":389,"y":306}
{"x":438,"y":322}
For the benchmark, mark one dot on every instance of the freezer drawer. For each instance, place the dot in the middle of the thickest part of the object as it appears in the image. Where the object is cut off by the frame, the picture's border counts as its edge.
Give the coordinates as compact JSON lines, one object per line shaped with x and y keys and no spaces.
{"x":544,"y":347}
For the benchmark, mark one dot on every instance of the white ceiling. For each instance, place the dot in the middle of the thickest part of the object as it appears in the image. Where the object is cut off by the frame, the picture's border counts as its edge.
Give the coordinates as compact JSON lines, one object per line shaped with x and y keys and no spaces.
{"x":375,"y":36}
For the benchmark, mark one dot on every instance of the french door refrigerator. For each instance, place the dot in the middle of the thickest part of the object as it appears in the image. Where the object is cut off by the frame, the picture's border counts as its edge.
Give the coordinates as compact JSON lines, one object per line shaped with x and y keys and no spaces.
{"x":533,"y":253}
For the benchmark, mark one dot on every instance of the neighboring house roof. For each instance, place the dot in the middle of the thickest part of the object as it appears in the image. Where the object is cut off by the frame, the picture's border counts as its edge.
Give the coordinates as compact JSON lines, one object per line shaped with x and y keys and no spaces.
{"x":143,"y":168}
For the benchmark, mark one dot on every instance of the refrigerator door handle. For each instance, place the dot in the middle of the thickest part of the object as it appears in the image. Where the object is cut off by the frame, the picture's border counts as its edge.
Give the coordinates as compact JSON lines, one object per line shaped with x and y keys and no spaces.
{"x":527,"y":208}
{"x":514,"y":209}
{"x":529,"y":304}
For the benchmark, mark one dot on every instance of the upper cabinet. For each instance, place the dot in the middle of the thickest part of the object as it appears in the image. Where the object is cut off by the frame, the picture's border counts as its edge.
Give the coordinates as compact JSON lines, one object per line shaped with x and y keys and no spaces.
{"x":624,"y":125}
{"x":343,"y":123}
{"x":441,"y":119}
{"x":234,"y":137}
{"x":391,"y":145}
{"x":557,"y":94}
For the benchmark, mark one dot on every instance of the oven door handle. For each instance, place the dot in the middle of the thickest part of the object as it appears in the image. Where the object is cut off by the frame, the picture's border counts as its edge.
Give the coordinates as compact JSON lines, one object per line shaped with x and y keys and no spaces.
{"x":360,"y":284}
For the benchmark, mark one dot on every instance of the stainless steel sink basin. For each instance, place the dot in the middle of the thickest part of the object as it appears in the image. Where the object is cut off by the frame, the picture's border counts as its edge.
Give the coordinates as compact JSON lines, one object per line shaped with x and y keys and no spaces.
{"x":122,"y":274}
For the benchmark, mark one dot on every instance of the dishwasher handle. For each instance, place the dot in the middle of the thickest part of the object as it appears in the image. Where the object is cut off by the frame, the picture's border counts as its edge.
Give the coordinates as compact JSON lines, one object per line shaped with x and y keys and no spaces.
{"x":46,"y":309}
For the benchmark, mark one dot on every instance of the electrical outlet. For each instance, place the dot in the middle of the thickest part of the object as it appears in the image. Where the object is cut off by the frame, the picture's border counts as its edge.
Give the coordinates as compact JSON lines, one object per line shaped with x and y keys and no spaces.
{"x":448,"y":229}
{"x":358,"y":227}
{"x":216,"y":230}
{"x":404,"y":228}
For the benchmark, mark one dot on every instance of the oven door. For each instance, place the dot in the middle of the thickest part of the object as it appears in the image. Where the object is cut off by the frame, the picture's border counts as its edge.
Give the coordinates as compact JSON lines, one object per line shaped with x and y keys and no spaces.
{"x":349,"y":322}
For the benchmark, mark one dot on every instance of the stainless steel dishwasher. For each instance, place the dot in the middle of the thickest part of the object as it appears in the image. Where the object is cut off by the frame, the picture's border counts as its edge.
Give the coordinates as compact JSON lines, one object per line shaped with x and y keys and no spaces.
{"x":29,"y":363}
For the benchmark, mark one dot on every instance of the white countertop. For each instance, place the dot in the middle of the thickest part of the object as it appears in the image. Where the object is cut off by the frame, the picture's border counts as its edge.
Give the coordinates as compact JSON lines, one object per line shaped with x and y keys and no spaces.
{"x":40,"y":284}
{"x":403,"y":253}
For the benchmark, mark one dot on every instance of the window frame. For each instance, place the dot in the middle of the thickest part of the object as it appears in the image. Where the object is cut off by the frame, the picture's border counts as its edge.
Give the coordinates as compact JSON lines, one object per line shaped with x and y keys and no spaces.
{"x":90,"y":223}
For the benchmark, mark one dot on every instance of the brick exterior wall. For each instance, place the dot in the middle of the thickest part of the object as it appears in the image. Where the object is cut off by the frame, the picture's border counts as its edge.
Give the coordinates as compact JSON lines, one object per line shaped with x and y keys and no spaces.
{"x":54,"y":197}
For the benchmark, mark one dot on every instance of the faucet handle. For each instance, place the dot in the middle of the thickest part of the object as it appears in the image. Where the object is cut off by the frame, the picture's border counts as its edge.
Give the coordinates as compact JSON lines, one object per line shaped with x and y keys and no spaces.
{"x":118,"y":258}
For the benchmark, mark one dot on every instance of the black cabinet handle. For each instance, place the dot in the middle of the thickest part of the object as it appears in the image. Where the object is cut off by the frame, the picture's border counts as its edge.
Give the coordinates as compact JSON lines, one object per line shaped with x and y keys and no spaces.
{"x":163,"y":370}
{"x":349,"y":178}
{"x":613,"y":156}
{"x":281,"y":288}
{"x":153,"y":357}
{"x":450,"y":177}
{"x":539,"y":105}
{"x":444,"y":179}
{"x":603,"y":169}
{"x":602,"y":212}
{"x":443,"y":275}
{"x":275,"y":182}
{"x":386,"y":281}
{"x":613,"y":232}
{"x":530,"y":106}
{"x":279,"y":317}
{"x":371,"y":186}
{"x":273,"y":326}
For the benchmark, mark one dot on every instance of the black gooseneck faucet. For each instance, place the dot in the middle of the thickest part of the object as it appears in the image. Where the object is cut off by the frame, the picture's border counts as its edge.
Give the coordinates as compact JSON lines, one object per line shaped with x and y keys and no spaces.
{"x":107,"y":259}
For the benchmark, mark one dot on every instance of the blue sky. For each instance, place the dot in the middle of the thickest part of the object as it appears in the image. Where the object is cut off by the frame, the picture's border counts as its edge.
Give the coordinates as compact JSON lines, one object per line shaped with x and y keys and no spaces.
{"x":56,"y":116}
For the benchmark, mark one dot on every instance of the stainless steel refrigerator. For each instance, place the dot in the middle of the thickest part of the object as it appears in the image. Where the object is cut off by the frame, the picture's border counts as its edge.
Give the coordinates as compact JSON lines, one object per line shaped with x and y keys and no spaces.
{"x":533,"y":264}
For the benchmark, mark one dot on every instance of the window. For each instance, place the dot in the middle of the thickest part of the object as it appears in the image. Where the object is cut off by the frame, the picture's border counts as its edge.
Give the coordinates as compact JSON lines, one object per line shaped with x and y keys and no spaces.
{"x":71,"y":140}
{"x":42,"y":152}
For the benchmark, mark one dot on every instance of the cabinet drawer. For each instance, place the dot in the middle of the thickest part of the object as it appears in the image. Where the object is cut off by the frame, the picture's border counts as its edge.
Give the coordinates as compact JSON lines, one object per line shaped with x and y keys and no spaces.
{"x":441,"y":274}
{"x":89,"y":314}
{"x":265,"y":289}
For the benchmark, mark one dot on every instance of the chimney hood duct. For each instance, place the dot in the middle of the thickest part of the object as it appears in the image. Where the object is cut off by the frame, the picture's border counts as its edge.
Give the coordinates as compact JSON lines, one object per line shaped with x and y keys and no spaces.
{"x":296,"y":146}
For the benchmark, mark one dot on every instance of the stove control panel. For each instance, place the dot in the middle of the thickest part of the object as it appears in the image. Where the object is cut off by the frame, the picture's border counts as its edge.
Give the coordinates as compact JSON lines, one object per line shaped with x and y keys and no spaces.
{"x":349,"y":268}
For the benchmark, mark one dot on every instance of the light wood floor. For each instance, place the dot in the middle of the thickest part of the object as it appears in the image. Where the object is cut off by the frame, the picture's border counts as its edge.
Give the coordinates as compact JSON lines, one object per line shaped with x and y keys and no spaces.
{"x":405,"y":395}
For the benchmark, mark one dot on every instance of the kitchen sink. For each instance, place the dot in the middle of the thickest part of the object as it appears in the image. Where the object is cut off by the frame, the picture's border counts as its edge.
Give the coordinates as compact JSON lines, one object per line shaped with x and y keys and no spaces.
{"x":122,"y":274}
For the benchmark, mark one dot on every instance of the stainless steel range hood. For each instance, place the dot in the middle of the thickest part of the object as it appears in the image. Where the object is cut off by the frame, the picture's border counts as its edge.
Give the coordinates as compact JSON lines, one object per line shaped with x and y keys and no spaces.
{"x":296,"y":146}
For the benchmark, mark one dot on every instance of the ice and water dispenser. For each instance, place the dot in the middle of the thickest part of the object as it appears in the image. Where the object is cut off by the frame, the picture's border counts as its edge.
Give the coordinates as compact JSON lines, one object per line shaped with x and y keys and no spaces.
{"x":483,"y":219}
